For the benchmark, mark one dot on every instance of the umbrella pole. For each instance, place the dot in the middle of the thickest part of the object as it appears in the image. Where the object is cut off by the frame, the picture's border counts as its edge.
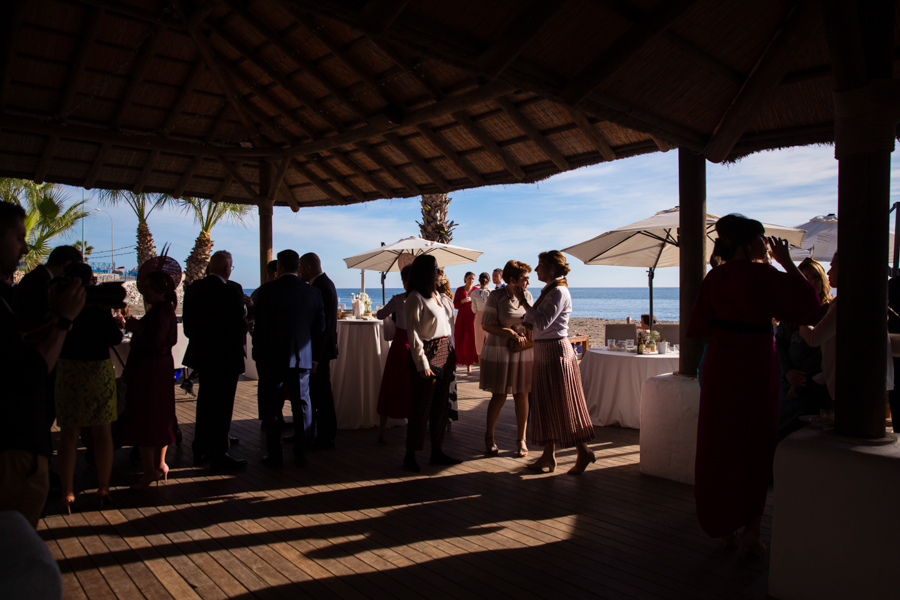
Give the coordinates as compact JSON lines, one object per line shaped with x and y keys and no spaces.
{"x":362,"y":281}
{"x":383,"y":277}
{"x":650,"y":274}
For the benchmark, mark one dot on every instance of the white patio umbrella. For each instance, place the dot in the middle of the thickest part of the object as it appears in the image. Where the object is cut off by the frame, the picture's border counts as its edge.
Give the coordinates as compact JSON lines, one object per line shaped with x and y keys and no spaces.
{"x":653,"y":243}
{"x":386,"y":258}
{"x":820,"y":241}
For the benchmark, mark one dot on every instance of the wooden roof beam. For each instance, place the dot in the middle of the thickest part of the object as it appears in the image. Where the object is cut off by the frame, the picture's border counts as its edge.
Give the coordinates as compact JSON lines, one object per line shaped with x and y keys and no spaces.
{"x":184,"y":94}
{"x":662,"y":144}
{"x":489,"y":144}
{"x":447,"y":150}
{"x":388,"y":168}
{"x":788,"y":39}
{"x":277,"y":76}
{"x":439,"y":109}
{"x":145,"y":172}
{"x":209,"y":56}
{"x":289,"y":196}
{"x":76,"y":71}
{"x":528,"y":128}
{"x":196,"y":160}
{"x":525,"y":26}
{"x":201,"y":12}
{"x":342,"y":180}
{"x":593,"y":136}
{"x":286,"y":112}
{"x":416,"y":159}
{"x":317,"y":181}
{"x":380,"y":14}
{"x":279,"y":176}
{"x":623,"y":49}
{"x":147,"y":54}
{"x":369,"y":178}
{"x":234,"y":172}
{"x":338,"y":50}
{"x":226,"y":183}
{"x":10,"y":21}
{"x":307,"y":65}
{"x":99,"y":162}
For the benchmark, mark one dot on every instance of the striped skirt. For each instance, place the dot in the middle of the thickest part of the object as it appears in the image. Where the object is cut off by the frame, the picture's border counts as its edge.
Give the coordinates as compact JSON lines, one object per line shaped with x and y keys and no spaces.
{"x":558,"y":409}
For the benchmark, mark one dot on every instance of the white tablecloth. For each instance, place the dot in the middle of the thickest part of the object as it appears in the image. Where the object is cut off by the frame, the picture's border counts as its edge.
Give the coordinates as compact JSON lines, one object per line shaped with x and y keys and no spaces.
{"x":612,"y":383}
{"x":356,"y":374}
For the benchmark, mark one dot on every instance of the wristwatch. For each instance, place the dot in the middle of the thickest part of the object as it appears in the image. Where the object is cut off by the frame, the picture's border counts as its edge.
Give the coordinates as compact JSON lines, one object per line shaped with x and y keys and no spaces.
{"x":62,"y":322}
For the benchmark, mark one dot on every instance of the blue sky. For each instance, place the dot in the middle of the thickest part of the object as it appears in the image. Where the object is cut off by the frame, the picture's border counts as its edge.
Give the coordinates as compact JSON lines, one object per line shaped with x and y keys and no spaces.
{"x":785,"y":187}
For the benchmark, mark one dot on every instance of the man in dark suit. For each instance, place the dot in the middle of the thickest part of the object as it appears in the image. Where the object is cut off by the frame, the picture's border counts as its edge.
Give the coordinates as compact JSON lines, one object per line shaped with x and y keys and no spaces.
{"x":215,"y":325}
{"x":325,"y":349}
{"x":289,"y":313}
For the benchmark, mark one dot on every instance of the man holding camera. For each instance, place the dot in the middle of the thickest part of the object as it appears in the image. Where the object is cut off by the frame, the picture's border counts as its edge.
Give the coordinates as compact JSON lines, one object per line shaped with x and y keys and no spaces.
{"x":24,"y":433}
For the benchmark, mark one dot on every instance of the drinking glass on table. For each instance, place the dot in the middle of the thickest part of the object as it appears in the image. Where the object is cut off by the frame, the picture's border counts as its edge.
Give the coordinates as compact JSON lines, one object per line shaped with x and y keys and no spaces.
{"x":611,"y":344}
{"x":629,"y":343}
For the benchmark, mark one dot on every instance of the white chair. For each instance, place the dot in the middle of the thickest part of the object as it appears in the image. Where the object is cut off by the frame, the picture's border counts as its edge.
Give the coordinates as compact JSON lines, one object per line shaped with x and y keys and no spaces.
{"x":671,"y":332}
{"x":622,"y":331}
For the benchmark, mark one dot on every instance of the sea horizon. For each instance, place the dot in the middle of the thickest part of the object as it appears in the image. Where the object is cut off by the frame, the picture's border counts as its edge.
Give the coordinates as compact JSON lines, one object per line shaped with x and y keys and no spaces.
{"x":587,"y":302}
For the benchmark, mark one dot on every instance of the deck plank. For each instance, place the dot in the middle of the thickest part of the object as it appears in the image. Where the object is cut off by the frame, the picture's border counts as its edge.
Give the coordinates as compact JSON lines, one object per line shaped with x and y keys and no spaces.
{"x":351,"y":524}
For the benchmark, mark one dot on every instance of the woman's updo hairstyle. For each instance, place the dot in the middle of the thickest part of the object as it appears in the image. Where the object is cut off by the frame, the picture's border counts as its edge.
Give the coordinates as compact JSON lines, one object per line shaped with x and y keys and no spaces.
{"x":484,"y":279}
{"x":735,"y":232}
{"x":161,"y":282}
{"x":515,"y":269}
{"x":556,"y":262}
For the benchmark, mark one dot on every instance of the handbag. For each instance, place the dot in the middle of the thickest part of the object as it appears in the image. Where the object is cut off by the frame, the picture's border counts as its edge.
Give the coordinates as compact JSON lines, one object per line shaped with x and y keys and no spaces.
{"x":514,"y":346}
{"x":121,"y":386}
{"x":389,"y":328}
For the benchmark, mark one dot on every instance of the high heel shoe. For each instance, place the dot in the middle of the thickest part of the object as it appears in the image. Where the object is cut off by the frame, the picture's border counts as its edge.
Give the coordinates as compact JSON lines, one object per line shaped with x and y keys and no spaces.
{"x":580,"y":465}
{"x":544,"y":461}
{"x":751,"y":545}
{"x":490,"y":448}
{"x":163,"y":474}
{"x":145,"y":481}
{"x":103,"y":496}
{"x":68,"y":501}
{"x":522,"y":451}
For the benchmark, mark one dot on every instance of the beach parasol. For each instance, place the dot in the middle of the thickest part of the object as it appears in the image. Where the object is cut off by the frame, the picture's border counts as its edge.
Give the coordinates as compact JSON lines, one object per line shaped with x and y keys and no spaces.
{"x":387,"y":258}
{"x":820,"y":241}
{"x":653,"y":243}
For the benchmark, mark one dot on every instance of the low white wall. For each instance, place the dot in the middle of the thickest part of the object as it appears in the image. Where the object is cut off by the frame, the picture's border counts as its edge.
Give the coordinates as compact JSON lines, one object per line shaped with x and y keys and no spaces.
{"x":670,"y":407}
{"x":835,"y":531}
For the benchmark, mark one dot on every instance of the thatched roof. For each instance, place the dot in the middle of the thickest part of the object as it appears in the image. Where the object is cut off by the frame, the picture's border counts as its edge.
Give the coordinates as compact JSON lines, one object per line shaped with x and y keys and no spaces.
{"x":354,"y":100}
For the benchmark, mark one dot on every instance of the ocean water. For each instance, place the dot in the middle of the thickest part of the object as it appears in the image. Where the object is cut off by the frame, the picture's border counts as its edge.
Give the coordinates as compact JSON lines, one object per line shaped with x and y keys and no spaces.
{"x":597,"y":303}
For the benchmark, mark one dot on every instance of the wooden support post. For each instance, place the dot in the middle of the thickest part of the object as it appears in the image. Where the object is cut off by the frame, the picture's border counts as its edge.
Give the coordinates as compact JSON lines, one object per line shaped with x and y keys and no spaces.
{"x":860,"y":41}
{"x":692,"y":255}
{"x":266,"y":204}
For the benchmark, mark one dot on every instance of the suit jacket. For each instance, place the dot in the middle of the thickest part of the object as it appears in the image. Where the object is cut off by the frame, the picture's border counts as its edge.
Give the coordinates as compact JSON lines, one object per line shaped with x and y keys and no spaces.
{"x":31,"y":301}
{"x":214,"y":323}
{"x":325,"y":345}
{"x":289,"y":313}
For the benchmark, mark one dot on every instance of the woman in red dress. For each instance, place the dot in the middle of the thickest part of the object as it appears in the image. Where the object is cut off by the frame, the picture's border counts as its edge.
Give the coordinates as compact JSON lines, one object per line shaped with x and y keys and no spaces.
{"x":741,"y":379}
{"x":150,"y":373}
{"x":464,"y":330}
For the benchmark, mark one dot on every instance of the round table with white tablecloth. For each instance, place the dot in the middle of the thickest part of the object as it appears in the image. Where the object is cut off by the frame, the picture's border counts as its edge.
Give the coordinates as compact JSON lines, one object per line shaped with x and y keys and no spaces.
{"x":612,"y":383}
{"x":356,"y":373}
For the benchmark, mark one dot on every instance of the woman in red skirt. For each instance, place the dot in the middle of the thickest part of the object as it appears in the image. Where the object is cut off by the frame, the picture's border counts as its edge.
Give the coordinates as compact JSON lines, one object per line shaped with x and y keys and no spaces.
{"x":393,"y":397}
{"x":559,"y":412}
{"x":464,"y":330}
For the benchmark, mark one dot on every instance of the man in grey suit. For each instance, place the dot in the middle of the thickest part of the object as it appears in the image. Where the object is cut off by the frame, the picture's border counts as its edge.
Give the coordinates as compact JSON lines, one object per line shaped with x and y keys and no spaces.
{"x":289,"y":313}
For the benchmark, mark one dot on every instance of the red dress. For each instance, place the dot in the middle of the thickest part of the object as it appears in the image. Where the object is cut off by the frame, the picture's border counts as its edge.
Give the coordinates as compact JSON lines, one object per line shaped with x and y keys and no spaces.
{"x":150,"y":375}
{"x":464,"y":330}
{"x":740,"y":385}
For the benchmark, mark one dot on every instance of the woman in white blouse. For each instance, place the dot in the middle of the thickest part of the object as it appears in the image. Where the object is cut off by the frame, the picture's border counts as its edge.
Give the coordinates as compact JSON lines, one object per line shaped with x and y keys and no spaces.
{"x":429,"y":320}
{"x":559,"y":412}
{"x":394,"y":396}
{"x":479,"y":297}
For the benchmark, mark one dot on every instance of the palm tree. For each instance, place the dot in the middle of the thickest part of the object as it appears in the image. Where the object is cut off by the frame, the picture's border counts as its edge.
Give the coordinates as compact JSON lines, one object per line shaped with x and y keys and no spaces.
{"x":46,"y":214}
{"x":434,"y":226}
{"x":86,"y":251}
{"x":142,"y":205}
{"x":208,"y":214}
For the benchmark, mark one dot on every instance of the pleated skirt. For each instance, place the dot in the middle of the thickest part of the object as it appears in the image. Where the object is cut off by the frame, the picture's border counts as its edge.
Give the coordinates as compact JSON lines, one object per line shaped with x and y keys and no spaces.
{"x":502,"y":371}
{"x":558,"y":408}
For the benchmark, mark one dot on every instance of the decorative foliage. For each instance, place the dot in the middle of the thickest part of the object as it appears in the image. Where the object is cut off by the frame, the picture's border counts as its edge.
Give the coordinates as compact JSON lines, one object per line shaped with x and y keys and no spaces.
{"x":142,"y":205}
{"x":208,"y":214}
{"x":434,"y":226}
{"x":46,"y":215}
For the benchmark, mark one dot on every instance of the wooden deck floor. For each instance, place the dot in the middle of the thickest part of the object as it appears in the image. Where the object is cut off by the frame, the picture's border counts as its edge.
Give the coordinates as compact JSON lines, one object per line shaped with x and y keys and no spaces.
{"x":353,"y":524}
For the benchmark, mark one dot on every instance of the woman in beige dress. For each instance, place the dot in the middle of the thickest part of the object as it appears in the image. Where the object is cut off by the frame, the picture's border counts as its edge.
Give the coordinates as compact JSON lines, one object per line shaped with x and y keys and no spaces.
{"x":504,"y":371}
